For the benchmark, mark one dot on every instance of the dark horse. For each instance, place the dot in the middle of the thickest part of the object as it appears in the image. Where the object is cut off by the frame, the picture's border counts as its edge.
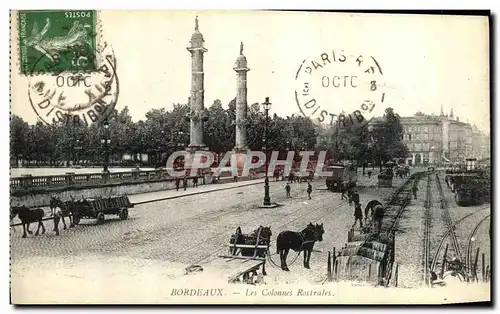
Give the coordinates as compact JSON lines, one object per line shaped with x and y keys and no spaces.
{"x":370,"y":206}
{"x":299,"y":241}
{"x":27,"y":216}
{"x":263,"y":233}
{"x":60,"y":210}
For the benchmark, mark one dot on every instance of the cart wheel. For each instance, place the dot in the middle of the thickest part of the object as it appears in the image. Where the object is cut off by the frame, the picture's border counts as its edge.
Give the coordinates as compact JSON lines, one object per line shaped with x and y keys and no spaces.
{"x":124,"y":214}
{"x":76,"y":220}
{"x":100,"y":218}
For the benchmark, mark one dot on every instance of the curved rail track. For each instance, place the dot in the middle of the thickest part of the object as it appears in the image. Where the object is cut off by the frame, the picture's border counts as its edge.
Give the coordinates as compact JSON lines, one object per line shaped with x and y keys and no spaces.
{"x":468,"y":256}
{"x":450,"y":234}
{"x":447,"y":234}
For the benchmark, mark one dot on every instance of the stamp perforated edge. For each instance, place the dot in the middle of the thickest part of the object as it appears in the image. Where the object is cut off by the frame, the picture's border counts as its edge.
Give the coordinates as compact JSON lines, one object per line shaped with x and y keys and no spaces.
{"x":14,"y":37}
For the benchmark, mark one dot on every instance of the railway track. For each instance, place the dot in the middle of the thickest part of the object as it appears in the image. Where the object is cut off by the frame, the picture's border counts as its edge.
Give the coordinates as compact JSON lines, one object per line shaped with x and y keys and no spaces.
{"x":427,"y":231}
{"x":399,"y":201}
{"x":447,"y":218}
{"x":470,"y":241}
{"x":449,"y":237}
{"x":447,"y":234}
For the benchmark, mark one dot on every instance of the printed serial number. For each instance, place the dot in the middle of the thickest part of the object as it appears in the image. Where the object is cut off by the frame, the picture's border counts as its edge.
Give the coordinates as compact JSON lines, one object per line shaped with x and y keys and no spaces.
{"x":76,"y":15}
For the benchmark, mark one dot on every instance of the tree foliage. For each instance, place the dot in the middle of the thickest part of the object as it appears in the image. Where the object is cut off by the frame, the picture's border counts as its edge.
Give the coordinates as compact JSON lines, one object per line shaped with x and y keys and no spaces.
{"x":161,"y":133}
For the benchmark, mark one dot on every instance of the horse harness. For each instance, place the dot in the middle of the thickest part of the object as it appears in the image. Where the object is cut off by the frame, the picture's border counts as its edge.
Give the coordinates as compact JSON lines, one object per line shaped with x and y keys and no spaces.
{"x":304,"y":241}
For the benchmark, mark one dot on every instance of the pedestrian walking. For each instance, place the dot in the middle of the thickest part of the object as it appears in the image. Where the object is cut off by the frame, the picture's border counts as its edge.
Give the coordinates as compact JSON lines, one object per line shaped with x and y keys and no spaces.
{"x":309,"y":189}
{"x":358,"y":215}
{"x":287,"y":189}
{"x":177,"y":184}
{"x":355,"y":197}
{"x":414,"y":189}
{"x":343,"y":189}
{"x":185,"y":183}
{"x":195,"y":182}
{"x":349,"y":195}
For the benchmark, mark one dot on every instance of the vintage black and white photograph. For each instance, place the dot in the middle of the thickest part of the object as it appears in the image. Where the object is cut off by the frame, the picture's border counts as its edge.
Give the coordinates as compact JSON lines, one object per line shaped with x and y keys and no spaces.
{"x":249,"y":157}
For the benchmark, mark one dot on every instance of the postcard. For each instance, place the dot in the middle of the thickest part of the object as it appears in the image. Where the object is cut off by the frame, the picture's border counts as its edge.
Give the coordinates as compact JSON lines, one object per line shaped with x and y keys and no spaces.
{"x":249,"y":157}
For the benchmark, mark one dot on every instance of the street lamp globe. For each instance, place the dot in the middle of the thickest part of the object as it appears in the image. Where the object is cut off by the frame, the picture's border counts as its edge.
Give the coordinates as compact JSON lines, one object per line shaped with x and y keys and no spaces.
{"x":106,"y":124}
{"x":266,"y":104}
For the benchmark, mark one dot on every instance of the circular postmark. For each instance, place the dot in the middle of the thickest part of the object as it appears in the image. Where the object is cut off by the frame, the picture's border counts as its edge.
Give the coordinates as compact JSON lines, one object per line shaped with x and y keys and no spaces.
{"x":340,"y":88}
{"x":76,"y":98}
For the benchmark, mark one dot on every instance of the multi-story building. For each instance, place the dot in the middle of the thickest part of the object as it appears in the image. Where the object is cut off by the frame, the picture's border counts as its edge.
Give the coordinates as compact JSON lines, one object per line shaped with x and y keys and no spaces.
{"x":435,"y":139}
{"x":480,"y":144}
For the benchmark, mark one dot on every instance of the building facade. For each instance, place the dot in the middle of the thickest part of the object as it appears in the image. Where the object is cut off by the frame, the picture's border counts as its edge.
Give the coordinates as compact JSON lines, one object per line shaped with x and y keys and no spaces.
{"x":480,"y":144}
{"x":433,"y":139}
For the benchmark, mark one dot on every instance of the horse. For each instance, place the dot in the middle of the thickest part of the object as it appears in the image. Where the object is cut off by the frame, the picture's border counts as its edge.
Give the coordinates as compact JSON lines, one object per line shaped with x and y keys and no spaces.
{"x":59,"y":210}
{"x":299,"y":241}
{"x":370,"y":206}
{"x":27,"y":216}
{"x":239,"y":238}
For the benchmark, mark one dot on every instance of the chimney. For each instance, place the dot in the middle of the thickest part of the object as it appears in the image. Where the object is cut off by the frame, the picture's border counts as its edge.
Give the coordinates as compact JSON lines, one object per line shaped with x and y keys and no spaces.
{"x":458,"y":119}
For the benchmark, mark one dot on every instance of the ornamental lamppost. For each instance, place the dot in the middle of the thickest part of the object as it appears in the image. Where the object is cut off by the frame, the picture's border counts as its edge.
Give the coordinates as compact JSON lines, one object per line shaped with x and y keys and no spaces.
{"x":106,"y":141}
{"x":267,"y":199}
{"x":77,"y":148}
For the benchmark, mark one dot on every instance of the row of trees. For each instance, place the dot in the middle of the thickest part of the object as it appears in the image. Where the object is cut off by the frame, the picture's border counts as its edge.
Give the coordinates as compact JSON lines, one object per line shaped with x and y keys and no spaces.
{"x":163,"y":132}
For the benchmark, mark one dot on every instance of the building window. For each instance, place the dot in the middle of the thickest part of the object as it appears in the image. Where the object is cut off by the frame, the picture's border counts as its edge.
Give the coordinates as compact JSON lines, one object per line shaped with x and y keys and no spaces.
{"x":426,"y":130}
{"x":417,"y":136}
{"x":409,"y":137}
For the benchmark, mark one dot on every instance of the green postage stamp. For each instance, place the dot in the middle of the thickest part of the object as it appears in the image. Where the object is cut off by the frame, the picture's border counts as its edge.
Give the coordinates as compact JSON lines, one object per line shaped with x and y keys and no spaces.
{"x":55,"y":41}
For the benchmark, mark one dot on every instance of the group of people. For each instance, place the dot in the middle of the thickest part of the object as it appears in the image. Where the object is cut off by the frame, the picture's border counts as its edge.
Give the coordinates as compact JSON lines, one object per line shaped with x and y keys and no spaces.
{"x":185,"y":183}
{"x":373,"y":209}
{"x":288,"y":189}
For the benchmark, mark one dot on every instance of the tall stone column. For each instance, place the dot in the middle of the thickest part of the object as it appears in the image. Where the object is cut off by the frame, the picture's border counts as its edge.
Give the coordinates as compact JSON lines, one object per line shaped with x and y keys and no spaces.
{"x":197,"y":107}
{"x":241,"y":102}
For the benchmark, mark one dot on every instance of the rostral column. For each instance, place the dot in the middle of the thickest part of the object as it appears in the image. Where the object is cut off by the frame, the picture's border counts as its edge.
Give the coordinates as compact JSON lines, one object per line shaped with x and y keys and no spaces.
{"x":197,"y":112}
{"x":241,"y":102}
{"x":241,"y":140}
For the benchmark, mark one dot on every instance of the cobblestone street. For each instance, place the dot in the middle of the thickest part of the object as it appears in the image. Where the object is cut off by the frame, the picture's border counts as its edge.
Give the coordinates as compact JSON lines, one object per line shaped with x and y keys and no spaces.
{"x":167,"y":236}
{"x":195,"y":229}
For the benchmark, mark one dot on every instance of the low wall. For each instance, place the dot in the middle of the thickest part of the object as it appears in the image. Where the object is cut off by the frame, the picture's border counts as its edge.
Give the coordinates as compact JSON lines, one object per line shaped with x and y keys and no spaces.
{"x":42,"y":197}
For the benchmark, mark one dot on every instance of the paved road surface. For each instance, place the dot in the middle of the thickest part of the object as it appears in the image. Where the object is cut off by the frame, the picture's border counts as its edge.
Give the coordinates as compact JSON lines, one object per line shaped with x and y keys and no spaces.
{"x":194,"y":229}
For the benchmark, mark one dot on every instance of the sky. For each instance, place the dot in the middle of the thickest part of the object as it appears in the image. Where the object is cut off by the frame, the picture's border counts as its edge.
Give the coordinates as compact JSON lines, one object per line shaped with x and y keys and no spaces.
{"x":428,"y":61}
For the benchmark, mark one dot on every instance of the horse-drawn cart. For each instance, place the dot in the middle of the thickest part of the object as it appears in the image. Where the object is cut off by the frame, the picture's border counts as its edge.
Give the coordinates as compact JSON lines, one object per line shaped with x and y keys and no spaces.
{"x":97,"y":208}
{"x":247,"y":256}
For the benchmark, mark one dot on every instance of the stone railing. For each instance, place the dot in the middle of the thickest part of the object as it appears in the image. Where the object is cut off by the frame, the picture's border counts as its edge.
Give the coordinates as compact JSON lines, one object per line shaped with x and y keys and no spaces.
{"x":28,"y":182}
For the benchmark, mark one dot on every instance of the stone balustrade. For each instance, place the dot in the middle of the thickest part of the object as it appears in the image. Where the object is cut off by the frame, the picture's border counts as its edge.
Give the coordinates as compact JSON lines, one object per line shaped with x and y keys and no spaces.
{"x":28,"y":182}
